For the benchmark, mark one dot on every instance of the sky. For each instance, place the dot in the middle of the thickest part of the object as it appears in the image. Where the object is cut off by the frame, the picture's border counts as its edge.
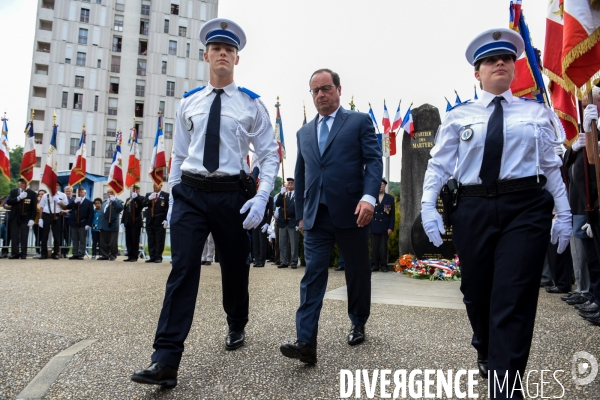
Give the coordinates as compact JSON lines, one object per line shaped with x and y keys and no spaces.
{"x":382,"y":50}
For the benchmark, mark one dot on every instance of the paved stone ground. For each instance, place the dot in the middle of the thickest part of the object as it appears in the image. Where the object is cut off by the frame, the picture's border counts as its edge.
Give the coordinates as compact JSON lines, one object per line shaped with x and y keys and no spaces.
{"x":46,"y":306}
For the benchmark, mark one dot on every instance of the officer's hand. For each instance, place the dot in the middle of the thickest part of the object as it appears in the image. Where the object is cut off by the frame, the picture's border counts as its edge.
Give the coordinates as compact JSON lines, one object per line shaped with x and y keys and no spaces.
{"x":41,"y":223}
{"x":296,"y":229}
{"x":256,"y":207}
{"x":579,"y":143}
{"x":390,"y":232}
{"x":87,"y":227}
{"x":561,"y":232}
{"x":165,"y":223}
{"x":152,"y":196}
{"x":77,"y":199}
{"x":30,"y":223}
{"x":283,"y":190}
{"x":559,"y":151}
{"x":23,"y":195}
{"x":122,"y":227}
{"x":590,"y":113}
{"x":112,"y":198}
{"x":301,"y":227}
{"x":169,"y":216}
{"x":588,"y":230}
{"x":364,"y":210}
{"x":133,"y":195}
{"x":264,"y":228}
{"x":432,"y":223}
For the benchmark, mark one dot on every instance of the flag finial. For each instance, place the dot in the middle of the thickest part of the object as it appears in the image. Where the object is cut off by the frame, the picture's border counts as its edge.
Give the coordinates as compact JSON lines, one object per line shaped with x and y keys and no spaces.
{"x":277,"y":104}
{"x":32,"y":113}
{"x":83,"y":126}
{"x":54,"y":117}
{"x":134,"y":120}
{"x":351,"y":104}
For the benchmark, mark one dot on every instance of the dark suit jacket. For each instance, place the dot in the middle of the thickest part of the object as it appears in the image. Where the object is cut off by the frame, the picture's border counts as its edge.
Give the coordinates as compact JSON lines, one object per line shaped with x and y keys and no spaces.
{"x":350,"y":167}
{"x":574,"y":164}
{"x":85,"y":210}
{"x":133,"y":207}
{"x":24,"y":209}
{"x":110,"y":219}
{"x":290,"y":211}
{"x":268,"y":213}
{"x":161,"y":207}
{"x":384,"y":217}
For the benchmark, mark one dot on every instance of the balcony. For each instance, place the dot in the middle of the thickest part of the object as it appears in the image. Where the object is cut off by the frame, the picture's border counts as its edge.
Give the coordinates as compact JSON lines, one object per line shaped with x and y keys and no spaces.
{"x":39,"y":80}
{"x":46,"y":11}
{"x":41,"y":69}
{"x":43,"y":47}
{"x":39,"y":92}
{"x":38,"y":103}
{"x":45,"y":25}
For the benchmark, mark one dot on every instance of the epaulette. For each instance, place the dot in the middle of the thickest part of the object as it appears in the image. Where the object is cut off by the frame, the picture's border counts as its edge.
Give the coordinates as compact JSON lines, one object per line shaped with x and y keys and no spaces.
{"x":250,"y":93}
{"x":191,"y":92}
{"x":458,"y":105}
{"x":532,"y":99}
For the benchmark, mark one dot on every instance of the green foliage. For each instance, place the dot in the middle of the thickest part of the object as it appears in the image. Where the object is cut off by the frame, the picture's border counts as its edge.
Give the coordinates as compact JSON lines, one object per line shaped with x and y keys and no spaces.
{"x":16,"y":155}
{"x":394,"y":189}
{"x":276,"y":186}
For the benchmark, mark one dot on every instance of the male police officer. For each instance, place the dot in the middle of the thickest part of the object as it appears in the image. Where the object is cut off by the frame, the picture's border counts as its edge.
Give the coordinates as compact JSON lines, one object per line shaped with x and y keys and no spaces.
{"x":215,"y":125}
{"x":23,"y":202}
{"x":157,"y":204}
{"x":132,"y":222}
{"x":381,"y":227}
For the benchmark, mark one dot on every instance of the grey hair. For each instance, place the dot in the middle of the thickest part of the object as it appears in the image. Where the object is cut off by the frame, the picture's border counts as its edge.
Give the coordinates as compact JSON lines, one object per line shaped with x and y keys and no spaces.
{"x":596,"y":94}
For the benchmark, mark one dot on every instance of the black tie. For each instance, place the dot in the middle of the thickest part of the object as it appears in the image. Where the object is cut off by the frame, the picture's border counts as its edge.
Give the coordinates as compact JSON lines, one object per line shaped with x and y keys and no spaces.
{"x":211,"y":146}
{"x":494,"y":142}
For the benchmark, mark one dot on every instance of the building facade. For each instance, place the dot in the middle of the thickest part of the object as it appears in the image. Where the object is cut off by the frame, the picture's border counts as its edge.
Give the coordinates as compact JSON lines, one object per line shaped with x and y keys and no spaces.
{"x":100,"y":63}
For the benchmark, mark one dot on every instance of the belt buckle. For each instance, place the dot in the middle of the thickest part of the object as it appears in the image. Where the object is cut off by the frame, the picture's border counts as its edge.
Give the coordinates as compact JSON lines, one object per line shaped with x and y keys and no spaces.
{"x":206,"y":185}
{"x":492,"y":191}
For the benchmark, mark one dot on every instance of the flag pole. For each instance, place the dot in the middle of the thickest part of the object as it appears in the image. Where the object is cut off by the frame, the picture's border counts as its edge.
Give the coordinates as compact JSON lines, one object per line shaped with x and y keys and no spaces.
{"x":592,"y":147}
{"x":54,"y":202}
{"x":132,"y":186}
{"x":282,"y":168}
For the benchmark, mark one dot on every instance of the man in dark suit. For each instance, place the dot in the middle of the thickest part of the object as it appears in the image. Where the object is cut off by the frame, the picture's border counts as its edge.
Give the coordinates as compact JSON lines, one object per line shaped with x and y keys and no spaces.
{"x":157,"y":204}
{"x":382,"y":226}
{"x":109,"y":226}
{"x":288,"y":226}
{"x":338,"y":172}
{"x":82,"y":217}
{"x":23,"y":204}
{"x":132,"y":222}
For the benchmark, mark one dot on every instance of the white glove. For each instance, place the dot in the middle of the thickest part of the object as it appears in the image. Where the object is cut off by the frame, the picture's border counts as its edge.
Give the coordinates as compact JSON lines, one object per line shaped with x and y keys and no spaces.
{"x":257,"y":206}
{"x":152,"y":196}
{"x":77,"y":199}
{"x":133,"y":195}
{"x":580,"y":143}
{"x":112,"y":198}
{"x":283,"y":190}
{"x":30,"y":223}
{"x":23,"y":195}
{"x":590,"y":113}
{"x":41,"y":223}
{"x":588,"y":230}
{"x":122,"y":227}
{"x":169,"y":216}
{"x":165,"y":224}
{"x":297,"y":229}
{"x":56,"y":198}
{"x":559,"y":151}
{"x":432,"y":223}
{"x":87,"y":227}
{"x":562,"y":229}
{"x":264,"y":228}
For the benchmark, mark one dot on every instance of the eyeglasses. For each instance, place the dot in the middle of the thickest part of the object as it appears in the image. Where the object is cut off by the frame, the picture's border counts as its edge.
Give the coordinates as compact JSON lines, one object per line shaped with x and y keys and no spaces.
{"x":324,"y":89}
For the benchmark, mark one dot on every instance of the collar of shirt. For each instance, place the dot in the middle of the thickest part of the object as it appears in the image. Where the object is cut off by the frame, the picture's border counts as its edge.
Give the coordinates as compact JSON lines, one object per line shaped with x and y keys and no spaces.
{"x":487,"y":98}
{"x":332,"y":115}
{"x":229,"y":89}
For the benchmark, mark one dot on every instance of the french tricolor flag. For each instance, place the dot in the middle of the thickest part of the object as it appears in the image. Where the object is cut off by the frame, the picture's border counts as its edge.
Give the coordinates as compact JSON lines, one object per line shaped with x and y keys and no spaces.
{"x":407,"y":123}
{"x":50,"y":176}
{"x":158,"y":161}
{"x":395,"y":126}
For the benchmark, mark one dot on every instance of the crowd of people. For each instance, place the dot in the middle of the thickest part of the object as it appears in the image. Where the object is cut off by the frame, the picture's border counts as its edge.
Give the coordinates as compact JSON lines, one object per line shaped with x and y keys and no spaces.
{"x":72,"y":223}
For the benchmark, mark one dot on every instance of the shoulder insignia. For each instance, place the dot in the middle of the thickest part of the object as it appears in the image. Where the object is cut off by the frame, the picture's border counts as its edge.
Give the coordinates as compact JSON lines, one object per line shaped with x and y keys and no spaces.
{"x":458,"y":105}
{"x":191,"y":92}
{"x":531,"y":99}
{"x":250,"y":93}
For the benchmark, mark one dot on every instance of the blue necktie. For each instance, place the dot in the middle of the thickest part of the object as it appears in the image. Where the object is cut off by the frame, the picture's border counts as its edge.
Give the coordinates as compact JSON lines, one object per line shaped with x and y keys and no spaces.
{"x":494,"y":143}
{"x":213,"y":127}
{"x":324,"y":134}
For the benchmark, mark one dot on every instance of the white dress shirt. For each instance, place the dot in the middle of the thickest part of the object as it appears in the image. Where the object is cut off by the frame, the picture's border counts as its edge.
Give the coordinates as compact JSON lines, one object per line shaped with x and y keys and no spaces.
{"x":51,"y":206}
{"x":527,"y":146}
{"x":366,"y":197}
{"x":244,"y":122}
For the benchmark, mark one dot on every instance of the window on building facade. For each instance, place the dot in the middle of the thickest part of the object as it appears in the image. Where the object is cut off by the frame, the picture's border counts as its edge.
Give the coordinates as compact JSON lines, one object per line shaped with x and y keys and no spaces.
{"x":166,"y":28}
{"x":99,"y":65}
{"x":109,"y":152}
{"x":115,"y":64}
{"x":201,"y":54}
{"x":65,"y":99}
{"x":119,"y":7}
{"x":77,"y":101}
{"x":143,"y":47}
{"x":74,"y":145}
{"x":118,"y":23}
{"x":161,"y":107}
{"x":141,"y":69}
{"x":168,"y":131}
{"x":116,"y":47}
{"x":79,"y":81}
{"x":83,"y":36}
{"x":140,"y":88}
{"x":170,"y":88}
{"x":106,"y":173}
{"x":139,"y":128}
{"x":111,"y":127}
{"x":145,"y":9}
{"x":187,"y":50}
{"x":113,"y":106}
{"x":175,"y":9}
{"x":84,"y":16}
{"x":93,"y":150}
{"x":182,"y":31}
{"x":172,"y":47}
{"x":81,"y":57}
{"x":139,"y":109}
{"x":98,"y":1}
{"x":113,"y":85}
{"x":67,"y":61}
{"x":144,"y":26}
{"x":95,"y":104}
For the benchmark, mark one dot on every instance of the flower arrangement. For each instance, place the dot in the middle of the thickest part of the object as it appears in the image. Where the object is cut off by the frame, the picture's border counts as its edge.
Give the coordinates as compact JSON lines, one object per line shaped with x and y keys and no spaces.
{"x":443,"y":270}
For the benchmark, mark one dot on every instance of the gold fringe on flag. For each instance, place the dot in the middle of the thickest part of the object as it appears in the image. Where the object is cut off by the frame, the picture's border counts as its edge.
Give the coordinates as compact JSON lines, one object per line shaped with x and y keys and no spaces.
{"x":579,"y":50}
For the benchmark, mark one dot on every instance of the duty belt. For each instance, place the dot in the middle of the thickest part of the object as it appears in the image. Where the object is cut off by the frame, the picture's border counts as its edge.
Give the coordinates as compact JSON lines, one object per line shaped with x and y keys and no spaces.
{"x":502,"y":187}
{"x":211,"y":184}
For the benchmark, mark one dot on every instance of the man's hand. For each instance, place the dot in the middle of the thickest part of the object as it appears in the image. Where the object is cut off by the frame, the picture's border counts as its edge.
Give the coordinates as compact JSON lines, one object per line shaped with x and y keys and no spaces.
{"x":432,"y":223}
{"x":152,"y":196}
{"x":588,"y":230}
{"x":133,"y":195}
{"x":283,"y":190}
{"x":390,"y":232}
{"x":165,"y":224}
{"x":112,"y":198}
{"x":364,"y":210}
{"x":78,"y":199}
{"x":30,"y":223}
{"x":41,"y":223}
{"x":579,"y":143}
{"x":87,"y":227}
{"x":562,"y":229}
{"x":257,"y":206}
{"x":301,"y":227}
{"x":23,"y":195}
{"x":590,"y":113}
{"x":264,"y":228}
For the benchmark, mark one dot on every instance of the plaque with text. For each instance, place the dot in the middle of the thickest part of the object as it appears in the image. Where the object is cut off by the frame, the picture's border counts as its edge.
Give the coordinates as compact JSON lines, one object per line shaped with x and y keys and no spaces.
{"x":423,"y":140}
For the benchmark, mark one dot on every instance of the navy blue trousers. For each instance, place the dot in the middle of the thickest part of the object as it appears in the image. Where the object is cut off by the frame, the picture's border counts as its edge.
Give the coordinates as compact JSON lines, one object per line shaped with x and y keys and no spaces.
{"x":196,"y":213}
{"x":318,"y":246}
{"x":501,"y":243}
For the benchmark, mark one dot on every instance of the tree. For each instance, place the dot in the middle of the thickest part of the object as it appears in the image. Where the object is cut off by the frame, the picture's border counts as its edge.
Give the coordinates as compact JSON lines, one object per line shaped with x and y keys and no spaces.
{"x":276,"y":186}
{"x":16,"y":155}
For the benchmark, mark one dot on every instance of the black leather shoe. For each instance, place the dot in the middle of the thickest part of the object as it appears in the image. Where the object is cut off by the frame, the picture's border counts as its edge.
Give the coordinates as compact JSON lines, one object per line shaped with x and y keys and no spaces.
{"x":546,"y":284}
{"x":581,"y":305}
{"x":578,"y":302}
{"x":384,"y":269}
{"x":299,"y":350}
{"x":234,"y":340}
{"x":14,"y":257}
{"x":590,"y":308}
{"x":150,"y":260}
{"x":339,"y":268}
{"x":569,"y":296}
{"x":293,"y":266}
{"x":258,"y":265}
{"x":356,"y":335}
{"x":130,"y":260}
{"x":553,"y":289}
{"x":23,"y":257}
{"x":595,"y":321}
{"x":102,"y":258}
{"x":575,"y":299}
{"x":209,"y":263}
{"x":74,"y":258}
{"x":587,"y":315}
{"x":282,"y":266}
{"x":482,"y":364}
{"x":157,"y":261}
{"x":156,"y":374}
{"x":112,"y":258}
{"x":374,"y":269}
{"x":43,"y":257}
{"x":55,"y":257}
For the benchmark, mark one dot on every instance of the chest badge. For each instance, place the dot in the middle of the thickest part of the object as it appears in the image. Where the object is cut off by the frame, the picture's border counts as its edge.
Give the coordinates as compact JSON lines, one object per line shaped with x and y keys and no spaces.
{"x":467,"y":134}
{"x":189,"y":125}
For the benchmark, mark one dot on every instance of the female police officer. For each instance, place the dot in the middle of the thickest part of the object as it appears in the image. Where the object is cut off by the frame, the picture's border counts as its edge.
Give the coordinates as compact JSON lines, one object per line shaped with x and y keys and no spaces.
{"x":500,"y":150}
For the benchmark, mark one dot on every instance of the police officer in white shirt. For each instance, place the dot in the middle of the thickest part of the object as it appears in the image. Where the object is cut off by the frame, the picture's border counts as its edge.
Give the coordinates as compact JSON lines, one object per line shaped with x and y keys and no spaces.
{"x":51,"y":219}
{"x":500,"y":150}
{"x":215,"y":126}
